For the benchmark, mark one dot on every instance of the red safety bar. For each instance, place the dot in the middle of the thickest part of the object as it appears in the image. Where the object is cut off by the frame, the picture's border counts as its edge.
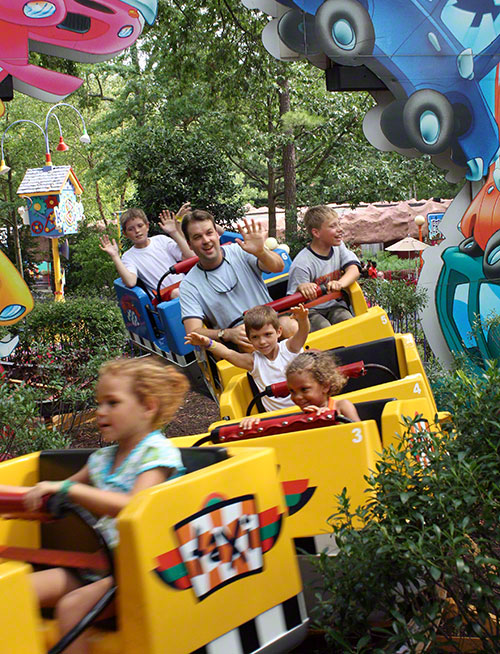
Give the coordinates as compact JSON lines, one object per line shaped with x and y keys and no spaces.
{"x":55,"y":558}
{"x":183,"y":266}
{"x":280,"y":389}
{"x":273,"y":426}
{"x":284,"y":303}
{"x":165,"y":294}
{"x":12,"y":507}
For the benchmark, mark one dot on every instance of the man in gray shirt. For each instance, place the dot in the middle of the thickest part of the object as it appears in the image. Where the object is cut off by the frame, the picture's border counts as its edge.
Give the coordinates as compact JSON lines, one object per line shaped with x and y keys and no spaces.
{"x":227,"y":281}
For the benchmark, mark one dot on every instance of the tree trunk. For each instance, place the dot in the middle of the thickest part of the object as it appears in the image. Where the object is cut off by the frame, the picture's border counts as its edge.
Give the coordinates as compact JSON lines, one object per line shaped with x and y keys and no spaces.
{"x":289,"y":173}
{"x":271,"y":198}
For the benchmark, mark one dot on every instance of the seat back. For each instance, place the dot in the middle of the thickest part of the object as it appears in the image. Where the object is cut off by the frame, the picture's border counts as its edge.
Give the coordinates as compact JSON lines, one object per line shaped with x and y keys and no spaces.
{"x":382,"y":352}
{"x":373,"y":410}
{"x":70,"y":533}
{"x":195,"y":458}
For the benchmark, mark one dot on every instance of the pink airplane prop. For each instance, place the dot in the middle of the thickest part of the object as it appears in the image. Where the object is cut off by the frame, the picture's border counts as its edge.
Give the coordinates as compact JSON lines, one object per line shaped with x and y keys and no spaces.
{"x":81,"y":30}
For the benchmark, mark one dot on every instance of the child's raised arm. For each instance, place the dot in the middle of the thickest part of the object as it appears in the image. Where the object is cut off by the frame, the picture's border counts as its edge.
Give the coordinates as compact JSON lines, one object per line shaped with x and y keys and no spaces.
{"x":240,"y":359}
{"x":296,"y":342}
{"x":111,"y":248}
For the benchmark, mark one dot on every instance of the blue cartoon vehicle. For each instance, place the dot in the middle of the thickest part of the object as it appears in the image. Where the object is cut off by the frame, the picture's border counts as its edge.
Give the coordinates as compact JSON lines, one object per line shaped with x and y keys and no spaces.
{"x":428,"y":57}
{"x":466,"y":304}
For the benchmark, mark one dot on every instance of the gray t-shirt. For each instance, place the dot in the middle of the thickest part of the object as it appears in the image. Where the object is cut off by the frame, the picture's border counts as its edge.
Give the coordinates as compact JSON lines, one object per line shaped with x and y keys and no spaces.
{"x":219,"y":297}
{"x":311,"y":267}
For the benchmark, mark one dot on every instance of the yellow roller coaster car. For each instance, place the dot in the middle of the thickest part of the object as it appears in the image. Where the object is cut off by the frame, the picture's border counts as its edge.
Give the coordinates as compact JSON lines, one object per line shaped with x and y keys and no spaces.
{"x":205,"y":562}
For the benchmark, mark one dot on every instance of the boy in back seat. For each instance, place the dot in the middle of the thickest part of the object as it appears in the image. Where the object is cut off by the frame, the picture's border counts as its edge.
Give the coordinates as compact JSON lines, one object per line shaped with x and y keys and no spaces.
{"x":325,"y":260}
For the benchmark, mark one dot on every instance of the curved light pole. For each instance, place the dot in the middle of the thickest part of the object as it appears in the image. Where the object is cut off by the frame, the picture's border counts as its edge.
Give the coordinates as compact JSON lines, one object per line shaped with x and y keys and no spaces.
{"x":84,"y":138}
{"x":61,"y":147}
{"x":4,"y":169}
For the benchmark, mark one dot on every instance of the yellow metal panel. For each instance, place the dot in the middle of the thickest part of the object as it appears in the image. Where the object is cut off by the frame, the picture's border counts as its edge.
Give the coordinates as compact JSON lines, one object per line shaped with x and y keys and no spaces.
{"x":22,"y":471}
{"x":369,"y":326}
{"x":19,"y":617}
{"x":321,"y":462}
{"x":155,"y":616}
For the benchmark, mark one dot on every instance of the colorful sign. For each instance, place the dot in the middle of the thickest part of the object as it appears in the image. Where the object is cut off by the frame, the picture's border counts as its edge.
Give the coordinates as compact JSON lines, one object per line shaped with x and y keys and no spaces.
{"x":436,"y":68}
{"x":220,"y":544}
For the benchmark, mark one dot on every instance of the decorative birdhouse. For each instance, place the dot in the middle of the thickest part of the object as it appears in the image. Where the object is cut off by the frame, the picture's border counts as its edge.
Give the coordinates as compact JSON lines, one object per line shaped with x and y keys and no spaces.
{"x":53,"y":200}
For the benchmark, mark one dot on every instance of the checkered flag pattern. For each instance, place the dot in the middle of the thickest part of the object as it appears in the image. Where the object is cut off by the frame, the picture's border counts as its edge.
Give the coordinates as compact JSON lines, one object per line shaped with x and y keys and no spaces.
{"x":420,"y":442}
{"x":221,"y":544}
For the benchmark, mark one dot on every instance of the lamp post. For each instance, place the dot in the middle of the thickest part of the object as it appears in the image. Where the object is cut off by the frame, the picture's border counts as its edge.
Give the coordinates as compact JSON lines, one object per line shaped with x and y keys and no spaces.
{"x":4,"y":169}
{"x":61,"y":147}
{"x":419,"y":222}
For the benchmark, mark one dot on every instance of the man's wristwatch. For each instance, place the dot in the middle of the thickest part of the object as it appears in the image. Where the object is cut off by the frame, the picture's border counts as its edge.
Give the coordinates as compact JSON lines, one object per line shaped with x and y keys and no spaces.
{"x":220,"y":334}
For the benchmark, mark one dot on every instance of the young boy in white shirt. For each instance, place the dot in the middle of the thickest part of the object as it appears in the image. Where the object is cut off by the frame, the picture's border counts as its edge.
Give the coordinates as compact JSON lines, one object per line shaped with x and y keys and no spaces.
{"x":271,"y":356}
{"x":151,"y":256}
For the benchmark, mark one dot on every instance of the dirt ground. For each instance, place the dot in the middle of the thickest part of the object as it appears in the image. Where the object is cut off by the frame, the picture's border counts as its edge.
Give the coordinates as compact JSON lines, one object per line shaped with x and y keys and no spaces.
{"x":193,"y":417}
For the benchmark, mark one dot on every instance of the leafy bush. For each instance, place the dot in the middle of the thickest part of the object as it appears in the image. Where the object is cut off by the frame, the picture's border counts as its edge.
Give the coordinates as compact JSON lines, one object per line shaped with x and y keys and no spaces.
{"x":61,"y":348}
{"x":22,"y":429}
{"x":90,"y":270}
{"x":398,"y":298}
{"x":171,"y":167}
{"x":78,"y":327}
{"x":387,"y":261}
{"x":426,"y":560}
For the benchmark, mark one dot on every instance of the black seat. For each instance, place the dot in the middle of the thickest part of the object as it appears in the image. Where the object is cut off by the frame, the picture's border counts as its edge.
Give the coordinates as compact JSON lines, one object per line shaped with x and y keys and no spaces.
{"x":382,"y":352}
{"x":70,"y":533}
{"x":372,"y":410}
{"x":195,"y":458}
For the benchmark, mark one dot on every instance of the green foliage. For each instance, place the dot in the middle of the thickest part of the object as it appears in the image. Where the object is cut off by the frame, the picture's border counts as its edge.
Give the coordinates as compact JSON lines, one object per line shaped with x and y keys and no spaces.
{"x":90,"y":271}
{"x":298,"y":240}
{"x":78,"y":325}
{"x":170,"y":168}
{"x":22,"y":429}
{"x":387,"y":261}
{"x":429,"y":531}
{"x":62,"y":346}
{"x":398,"y":298}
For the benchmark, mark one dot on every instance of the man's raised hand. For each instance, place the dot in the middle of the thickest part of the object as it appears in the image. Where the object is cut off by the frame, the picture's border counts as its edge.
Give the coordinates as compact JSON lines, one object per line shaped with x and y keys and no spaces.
{"x":254,"y":236}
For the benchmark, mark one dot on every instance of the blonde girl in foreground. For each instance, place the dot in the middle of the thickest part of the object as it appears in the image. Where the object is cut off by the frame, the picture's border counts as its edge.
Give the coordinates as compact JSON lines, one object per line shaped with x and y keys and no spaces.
{"x":135,"y":398}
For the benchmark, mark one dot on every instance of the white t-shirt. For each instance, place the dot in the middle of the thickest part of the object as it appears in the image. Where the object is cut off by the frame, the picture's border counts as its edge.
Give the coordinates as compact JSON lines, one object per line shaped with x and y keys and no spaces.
{"x":266,"y":372}
{"x":151,"y":262}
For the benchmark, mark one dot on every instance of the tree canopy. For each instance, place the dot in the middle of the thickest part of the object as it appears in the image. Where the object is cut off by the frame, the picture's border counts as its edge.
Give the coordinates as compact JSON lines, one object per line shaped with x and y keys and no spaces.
{"x":198,"y":110}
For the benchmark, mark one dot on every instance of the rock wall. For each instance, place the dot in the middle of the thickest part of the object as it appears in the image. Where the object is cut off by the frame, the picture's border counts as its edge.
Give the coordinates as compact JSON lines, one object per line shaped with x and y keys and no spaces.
{"x":381,"y":222}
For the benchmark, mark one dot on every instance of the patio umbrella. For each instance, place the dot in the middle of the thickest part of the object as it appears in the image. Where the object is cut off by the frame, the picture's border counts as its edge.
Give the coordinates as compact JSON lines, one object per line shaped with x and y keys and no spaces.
{"x":408,"y":244}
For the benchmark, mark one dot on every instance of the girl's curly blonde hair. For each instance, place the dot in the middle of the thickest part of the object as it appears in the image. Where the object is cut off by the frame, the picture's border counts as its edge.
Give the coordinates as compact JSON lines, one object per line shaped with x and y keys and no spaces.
{"x":152,"y":379}
{"x":323,"y":368}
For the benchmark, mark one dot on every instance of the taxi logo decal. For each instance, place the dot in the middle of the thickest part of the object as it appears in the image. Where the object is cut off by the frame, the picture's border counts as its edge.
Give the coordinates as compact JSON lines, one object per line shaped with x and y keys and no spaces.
{"x":223,"y":542}
{"x":297,"y":494}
